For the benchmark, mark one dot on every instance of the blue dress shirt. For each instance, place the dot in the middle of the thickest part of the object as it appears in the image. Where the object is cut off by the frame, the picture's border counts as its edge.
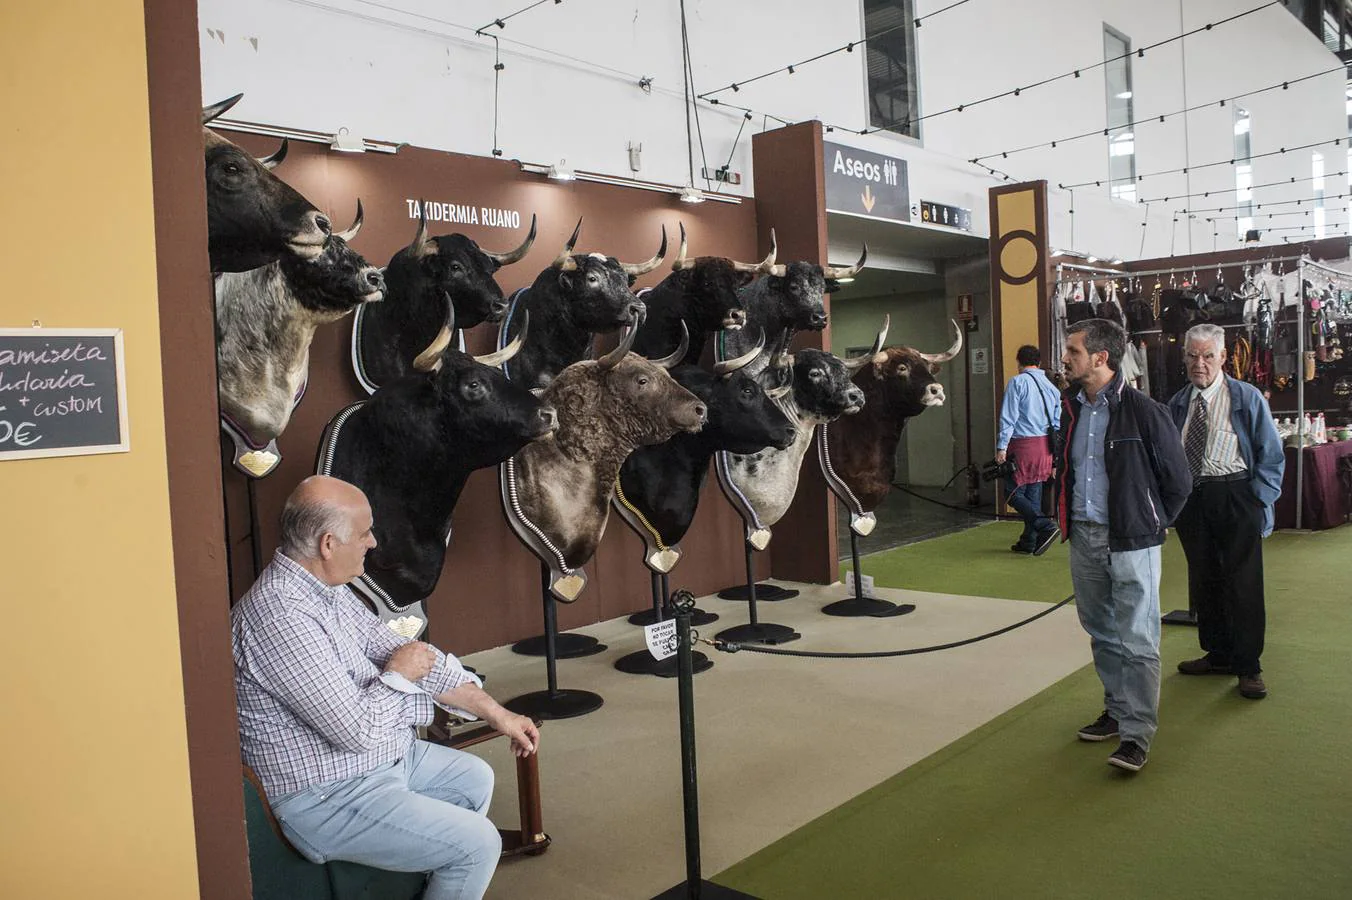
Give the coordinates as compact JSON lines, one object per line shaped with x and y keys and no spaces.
{"x":1089,"y":501}
{"x":1029,"y":399}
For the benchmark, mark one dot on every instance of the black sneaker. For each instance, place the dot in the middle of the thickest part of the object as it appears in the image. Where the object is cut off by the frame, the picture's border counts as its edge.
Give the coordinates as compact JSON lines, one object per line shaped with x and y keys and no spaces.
{"x":1021,"y":548}
{"x":1102,"y":728}
{"x":1044,"y":540}
{"x":1129,"y":756}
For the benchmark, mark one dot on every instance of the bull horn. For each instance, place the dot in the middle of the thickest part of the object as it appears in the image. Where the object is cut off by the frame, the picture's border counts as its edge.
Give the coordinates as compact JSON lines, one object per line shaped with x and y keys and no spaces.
{"x":644,"y":268}
{"x":765,"y":266}
{"x":847,"y":271}
{"x":273,"y":160}
{"x":355,"y":227}
{"x":612,"y":359}
{"x":430,"y":359}
{"x":937,"y":358}
{"x":498,"y":357}
{"x":728,"y":366}
{"x":681,"y":262}
{"x":511,"y":256}
{"x":565,"y":262}
{"x":858,"y":362}
{"x":674,"y":359}
{"x":779,"y":392}
{"x":219,"y":109}
{"x":420,"y":241}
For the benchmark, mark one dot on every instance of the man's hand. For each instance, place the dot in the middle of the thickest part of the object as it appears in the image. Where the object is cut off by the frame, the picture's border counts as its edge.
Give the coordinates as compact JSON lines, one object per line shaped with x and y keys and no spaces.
{"x":413,"y":660}
{"x":999,"y":457}
{"x":521,"y":730}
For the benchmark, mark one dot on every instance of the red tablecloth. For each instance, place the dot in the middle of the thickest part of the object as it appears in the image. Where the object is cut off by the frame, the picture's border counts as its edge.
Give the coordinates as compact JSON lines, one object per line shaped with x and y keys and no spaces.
{"x":1324,"y":503}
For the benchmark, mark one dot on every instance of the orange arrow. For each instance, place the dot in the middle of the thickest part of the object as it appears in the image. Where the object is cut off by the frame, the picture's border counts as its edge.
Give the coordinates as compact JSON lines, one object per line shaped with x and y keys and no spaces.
{"x":867,"y":197}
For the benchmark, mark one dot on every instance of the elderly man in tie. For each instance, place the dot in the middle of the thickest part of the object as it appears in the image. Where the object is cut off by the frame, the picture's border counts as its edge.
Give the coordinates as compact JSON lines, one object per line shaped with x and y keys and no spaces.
{"x":1236,"y":457}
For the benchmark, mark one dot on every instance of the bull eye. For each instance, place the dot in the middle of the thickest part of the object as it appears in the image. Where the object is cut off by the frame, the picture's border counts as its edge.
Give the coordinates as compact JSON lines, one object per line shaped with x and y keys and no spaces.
{"x":232,"y":168}
{"x":642,"y":381}
{"x":457,"y":268}
{"x":815,"y":374}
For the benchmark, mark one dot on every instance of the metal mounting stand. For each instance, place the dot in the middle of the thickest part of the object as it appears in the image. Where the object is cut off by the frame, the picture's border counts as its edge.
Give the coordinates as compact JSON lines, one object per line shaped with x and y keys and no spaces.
{"x":562,"y":646}
{"x":859,"y":605}
{"x":554,"y":703}
{"x":756,"y":632}
{"x":694,"y":887}
{"x":641,"y":662}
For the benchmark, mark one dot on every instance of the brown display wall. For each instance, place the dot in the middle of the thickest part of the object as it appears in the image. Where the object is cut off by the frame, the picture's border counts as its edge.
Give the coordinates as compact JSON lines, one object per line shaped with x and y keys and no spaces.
{"x":489,"y":593}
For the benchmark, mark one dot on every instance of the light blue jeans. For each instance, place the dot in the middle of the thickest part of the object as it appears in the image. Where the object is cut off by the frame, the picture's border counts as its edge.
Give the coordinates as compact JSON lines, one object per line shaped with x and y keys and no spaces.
{"x":1118,"y":598}
{"x":424,"y":813}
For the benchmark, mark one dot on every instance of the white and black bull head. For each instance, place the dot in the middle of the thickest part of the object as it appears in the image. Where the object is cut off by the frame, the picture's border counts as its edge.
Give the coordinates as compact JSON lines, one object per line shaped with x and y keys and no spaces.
{"x":557,"y":493}
{"x":412,"y":446}
{"x":762,"y":485}
{"x":789,"y":299}
{"x":253,"y":217}
{"x":660,"y":485}
{"x":700,"y":294}
{"x":899,"y":383}
{"x":265,"y":320}
{"x":385,"y":339}
{"x":580,"y":295}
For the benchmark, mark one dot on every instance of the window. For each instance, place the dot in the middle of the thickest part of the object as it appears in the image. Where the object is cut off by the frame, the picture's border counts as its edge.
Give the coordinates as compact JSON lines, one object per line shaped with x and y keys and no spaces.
{"x":1243,"y":172}
{"x":1121,"y":137}
{"x":1317,"y":176}
{"x":893,"y":98}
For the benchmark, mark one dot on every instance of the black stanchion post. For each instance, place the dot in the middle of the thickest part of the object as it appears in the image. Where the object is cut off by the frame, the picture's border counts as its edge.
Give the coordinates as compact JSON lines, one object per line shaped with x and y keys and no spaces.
{"x":694,"y":887}
{"x":641,"y":662}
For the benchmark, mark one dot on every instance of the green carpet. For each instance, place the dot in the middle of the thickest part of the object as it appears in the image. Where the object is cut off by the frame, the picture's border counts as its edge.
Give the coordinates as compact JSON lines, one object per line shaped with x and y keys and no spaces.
{"x":1240,"y":799}
{"x":978,"y":563}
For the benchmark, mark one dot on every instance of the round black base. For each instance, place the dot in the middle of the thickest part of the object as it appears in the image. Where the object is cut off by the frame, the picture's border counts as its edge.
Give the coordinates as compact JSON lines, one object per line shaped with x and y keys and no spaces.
{"x":562,"y":704}
{"x":765,"y":593}
{"x":641,"y":662}
{"x":760,"y":633}
{"x":566,"y":646}
{"x":1180,"y":617}
{"x":707,"y":891}
{"x":867,"y":606}
{"x":697,"y":617}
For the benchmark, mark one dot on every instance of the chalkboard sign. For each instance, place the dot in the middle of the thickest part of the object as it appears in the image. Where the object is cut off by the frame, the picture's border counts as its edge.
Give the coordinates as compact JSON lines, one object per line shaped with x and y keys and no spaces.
{"x":62,"y":392}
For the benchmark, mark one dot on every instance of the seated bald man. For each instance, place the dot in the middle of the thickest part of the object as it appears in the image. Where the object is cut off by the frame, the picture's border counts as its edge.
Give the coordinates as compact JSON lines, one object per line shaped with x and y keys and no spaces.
{"x":330,"y":738}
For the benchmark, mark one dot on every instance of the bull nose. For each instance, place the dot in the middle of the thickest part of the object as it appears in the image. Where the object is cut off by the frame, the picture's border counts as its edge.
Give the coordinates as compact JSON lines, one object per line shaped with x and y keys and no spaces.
{"x":322,"y":222}
{"x":548,"y":418}
{"x":818,"y":320}
{"x":499,"y":308}
{"x":635,"y":310}
{"x":854,"y":397}
{"x":702,"y":411}
{"x":375,"y":279}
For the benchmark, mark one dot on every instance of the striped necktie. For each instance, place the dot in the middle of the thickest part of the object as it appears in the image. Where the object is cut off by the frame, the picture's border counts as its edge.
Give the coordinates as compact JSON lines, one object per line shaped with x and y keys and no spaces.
{"x":1195,"y":445}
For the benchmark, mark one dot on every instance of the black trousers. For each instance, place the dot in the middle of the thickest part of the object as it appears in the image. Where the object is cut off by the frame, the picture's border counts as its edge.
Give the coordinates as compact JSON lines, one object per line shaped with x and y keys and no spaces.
{"x":1221,"y":529}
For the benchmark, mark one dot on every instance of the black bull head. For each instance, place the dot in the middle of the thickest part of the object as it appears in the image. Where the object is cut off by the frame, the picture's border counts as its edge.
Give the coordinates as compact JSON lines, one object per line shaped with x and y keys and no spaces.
{"x":412,"y":447}
{"x":253,"y":217}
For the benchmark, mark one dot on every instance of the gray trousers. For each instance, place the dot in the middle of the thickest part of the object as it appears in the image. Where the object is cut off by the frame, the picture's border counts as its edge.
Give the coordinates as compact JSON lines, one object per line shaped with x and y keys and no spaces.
{"x":1117,"y":596}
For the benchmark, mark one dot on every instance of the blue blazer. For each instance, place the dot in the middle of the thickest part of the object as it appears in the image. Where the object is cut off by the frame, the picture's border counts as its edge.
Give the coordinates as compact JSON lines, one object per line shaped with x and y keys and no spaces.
{"x":1259,"y":445}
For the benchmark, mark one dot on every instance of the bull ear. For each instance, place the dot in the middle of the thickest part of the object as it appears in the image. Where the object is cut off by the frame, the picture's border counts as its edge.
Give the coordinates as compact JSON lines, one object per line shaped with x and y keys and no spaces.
{"x":854,"y":365}
{"x":355,"y":227}
{"x":564,"y":261}
{"x":674,"y":359}
{"x":430,"y":359}
{"x":847,"y":271}
{"x":511,"y":256}
{"x":217,"y":110}
{"x":274,"y":160}
{"x":633,"y":270}
{"x":498,"y":357}
{"x":728,"y":366}
{"x":936,"y":359}
{"x":421,"y":246}
{"x":612,"y":359}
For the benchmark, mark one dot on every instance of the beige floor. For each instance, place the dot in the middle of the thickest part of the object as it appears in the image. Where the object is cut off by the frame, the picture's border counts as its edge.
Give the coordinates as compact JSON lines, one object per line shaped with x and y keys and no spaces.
{"x":780,"y":740}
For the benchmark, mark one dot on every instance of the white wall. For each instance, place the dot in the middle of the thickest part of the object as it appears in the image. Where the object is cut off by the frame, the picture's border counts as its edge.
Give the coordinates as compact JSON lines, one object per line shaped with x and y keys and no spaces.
{"x":412,"y":71}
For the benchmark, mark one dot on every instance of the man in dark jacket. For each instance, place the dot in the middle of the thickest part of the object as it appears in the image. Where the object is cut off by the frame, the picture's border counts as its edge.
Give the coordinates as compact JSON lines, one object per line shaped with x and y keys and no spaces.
{"x":1124,"y":480}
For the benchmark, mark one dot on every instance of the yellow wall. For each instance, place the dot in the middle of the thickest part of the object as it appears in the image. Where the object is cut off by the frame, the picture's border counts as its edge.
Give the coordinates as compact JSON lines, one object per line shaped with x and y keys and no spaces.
{"x":94,"y":792}
{"x":1017,"y":211}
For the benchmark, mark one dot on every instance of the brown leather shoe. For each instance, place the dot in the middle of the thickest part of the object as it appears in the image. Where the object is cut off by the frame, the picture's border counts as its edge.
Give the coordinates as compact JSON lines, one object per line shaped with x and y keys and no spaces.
{"x":1252,"y":687}
{"x":1202,"y":666}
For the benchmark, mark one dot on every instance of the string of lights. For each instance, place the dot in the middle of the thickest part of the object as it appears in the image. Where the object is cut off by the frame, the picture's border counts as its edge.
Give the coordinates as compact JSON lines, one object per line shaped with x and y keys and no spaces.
{"x":1183,"y":170}
{"x":1099,"y":132}
{"x":1261,"y":205}
{"x":937,"y":11}
{"x":501,"y":23}
{"x":1204,"y":194}
{"x":1294,"y":212}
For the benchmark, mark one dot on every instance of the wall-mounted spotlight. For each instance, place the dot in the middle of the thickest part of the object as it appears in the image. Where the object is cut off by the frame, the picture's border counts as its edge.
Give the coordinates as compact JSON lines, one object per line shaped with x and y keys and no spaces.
{"x":692,"y":195}
{"x":347,"y":142}
{"x":561,"y":171}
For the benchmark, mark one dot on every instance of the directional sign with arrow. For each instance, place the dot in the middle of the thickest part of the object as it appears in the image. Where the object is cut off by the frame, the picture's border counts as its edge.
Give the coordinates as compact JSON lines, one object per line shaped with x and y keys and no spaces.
{"x":863,"y":183}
